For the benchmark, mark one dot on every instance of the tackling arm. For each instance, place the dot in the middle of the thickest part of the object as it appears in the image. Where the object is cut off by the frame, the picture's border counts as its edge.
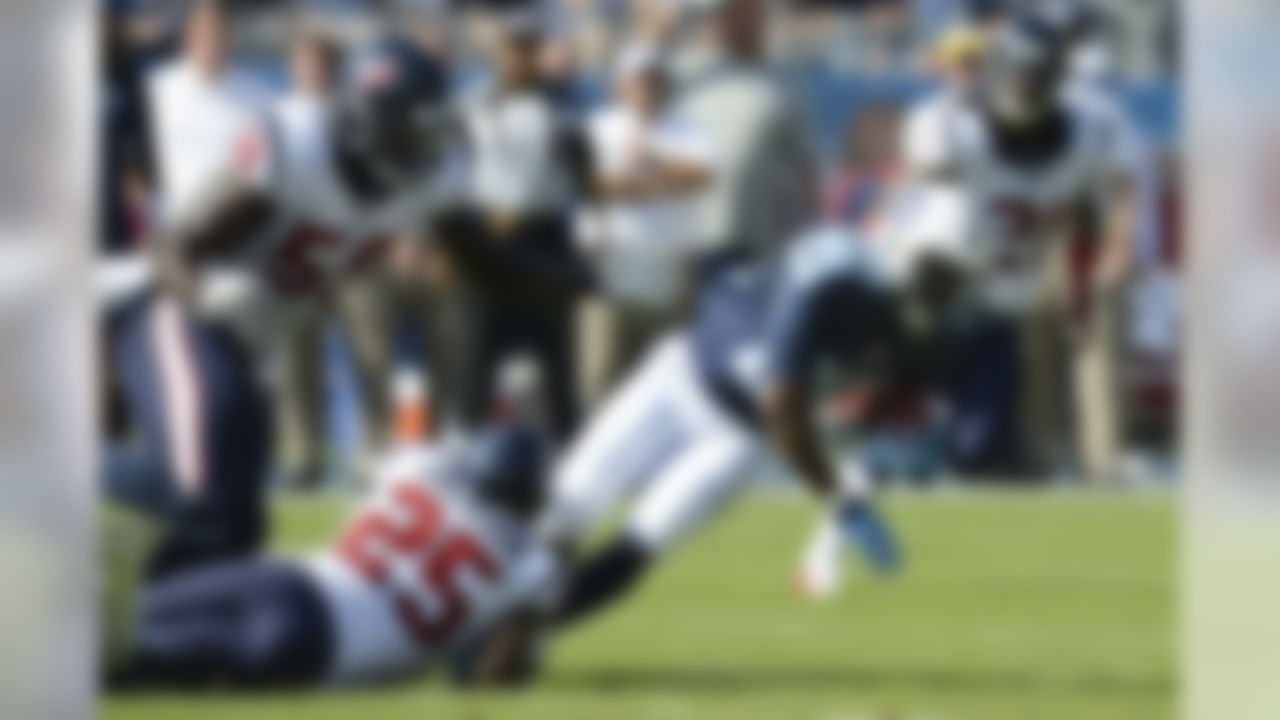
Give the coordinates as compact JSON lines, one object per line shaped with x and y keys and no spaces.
{"x":224,"y":219}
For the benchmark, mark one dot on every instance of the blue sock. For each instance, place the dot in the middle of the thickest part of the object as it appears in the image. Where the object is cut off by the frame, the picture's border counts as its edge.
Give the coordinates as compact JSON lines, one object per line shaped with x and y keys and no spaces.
{"x":864,"y":526}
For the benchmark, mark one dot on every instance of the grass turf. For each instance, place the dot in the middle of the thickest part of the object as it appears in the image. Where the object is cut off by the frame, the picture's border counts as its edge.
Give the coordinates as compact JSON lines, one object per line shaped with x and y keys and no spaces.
{"x":1012,"y":607}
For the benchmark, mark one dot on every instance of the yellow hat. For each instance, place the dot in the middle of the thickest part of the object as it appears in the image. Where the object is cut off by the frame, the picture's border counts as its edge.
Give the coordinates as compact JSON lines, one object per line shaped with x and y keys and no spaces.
{"x":960,"y":43}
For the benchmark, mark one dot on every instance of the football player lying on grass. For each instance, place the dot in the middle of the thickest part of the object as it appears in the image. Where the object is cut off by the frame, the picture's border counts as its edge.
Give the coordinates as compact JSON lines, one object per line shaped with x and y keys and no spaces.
{"x":439,"y":566}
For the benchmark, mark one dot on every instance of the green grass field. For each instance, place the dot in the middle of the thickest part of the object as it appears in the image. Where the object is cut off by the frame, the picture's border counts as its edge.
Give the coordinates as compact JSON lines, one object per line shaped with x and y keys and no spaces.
{"x":1013,"y":607}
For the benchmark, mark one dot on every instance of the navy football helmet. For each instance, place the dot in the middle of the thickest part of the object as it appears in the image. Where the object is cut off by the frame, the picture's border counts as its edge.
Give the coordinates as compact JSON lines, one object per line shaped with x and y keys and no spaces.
{"x":507,"y":466}
{"x":1025,"y":69}
{"x":393,"y":113}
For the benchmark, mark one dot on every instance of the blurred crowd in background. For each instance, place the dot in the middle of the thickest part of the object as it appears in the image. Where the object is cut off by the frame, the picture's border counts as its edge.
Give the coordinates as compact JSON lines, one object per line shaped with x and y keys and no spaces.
{"x":771,"y":117}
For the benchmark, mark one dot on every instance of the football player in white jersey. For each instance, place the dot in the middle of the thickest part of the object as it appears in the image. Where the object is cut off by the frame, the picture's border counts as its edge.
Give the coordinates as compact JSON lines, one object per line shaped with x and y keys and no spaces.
{"x":310,"y":194}
{"x":1051,"y":176}
{"x":1029,"y":163}
{"x":438,"y":566}
{"x":1035,"y":164}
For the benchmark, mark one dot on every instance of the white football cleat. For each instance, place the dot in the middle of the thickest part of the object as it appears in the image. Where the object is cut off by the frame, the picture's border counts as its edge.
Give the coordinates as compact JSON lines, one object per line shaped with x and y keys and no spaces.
{"x":820,"y":575}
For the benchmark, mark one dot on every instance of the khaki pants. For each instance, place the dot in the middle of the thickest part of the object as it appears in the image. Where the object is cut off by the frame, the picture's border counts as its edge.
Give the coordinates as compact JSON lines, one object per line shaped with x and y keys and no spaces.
{"x":363,"y":310}
{"x":1096,"y":373}
{"x":299,"y":404}
{"x":1086,"y":359}
{"x":370,"y":309}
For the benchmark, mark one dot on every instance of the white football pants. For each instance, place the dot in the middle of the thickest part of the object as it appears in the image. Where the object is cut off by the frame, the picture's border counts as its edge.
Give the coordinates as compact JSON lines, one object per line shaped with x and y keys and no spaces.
{"x":662,"y":438}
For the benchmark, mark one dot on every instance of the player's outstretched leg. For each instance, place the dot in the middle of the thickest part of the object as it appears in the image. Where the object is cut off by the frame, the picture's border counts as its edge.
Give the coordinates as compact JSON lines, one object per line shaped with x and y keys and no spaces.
{"x":244,"y":624}
{"x":704,"y":476}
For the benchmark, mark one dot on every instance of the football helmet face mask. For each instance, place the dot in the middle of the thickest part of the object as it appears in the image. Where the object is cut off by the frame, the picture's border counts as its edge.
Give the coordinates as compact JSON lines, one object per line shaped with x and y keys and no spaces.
{"x":393,"y":117}
{"x":1024,"y":71}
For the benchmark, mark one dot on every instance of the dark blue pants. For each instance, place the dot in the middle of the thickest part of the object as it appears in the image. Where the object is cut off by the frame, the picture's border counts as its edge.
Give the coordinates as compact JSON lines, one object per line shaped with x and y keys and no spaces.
{"x":498,"y":327}
{"x":244,"y":624}
{"x":982,"y":382}
{"x":497,"y":332}
{"x":193,"y":397}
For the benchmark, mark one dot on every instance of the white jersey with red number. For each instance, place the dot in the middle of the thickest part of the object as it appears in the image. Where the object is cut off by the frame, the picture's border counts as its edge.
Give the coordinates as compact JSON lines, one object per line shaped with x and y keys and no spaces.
{"x":322,"y":230}
{"x":1013,"y":212}
{"x":422,"y":569}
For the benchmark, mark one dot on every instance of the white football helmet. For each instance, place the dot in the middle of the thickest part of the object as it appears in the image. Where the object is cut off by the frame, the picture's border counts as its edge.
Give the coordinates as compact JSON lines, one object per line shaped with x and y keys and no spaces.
{"x":926,"y":224}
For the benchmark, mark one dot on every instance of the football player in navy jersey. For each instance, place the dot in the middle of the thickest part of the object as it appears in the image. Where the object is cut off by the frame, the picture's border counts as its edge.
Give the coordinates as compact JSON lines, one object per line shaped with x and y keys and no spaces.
{"x":713,"y":404}
{"x":1038,"y":163}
